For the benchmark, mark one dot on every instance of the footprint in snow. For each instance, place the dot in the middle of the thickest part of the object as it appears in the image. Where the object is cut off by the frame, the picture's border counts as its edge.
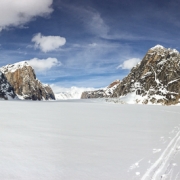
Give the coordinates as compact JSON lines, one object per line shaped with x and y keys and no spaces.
{"x":177,"y":176}
{"x":156,"y":150}
{"x":135,"y":165}
{"x":150,"y":162}
{"x":171,"y":132}
{"x":162,"y":138}
{"x":174,"y":164}
{"x":164,"y":176}
{"x":138,"y":173}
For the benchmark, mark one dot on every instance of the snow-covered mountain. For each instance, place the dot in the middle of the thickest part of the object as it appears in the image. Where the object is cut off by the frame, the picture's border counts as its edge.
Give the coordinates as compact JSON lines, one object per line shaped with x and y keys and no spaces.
{"x":100,"y":93}
{"x":156,"y":79}
{"x":71,"y":93}
{"x":22,"y":78}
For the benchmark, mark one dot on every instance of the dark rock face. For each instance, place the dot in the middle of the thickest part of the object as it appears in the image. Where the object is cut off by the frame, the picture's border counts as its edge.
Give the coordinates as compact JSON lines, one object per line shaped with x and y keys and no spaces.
{"x":6,"y":90}
{"x":93,"y":94}
{"x":101,"y":93}
{"x":48,"y":93}
{"x":22,"y":78}
{"x":156,"y":78}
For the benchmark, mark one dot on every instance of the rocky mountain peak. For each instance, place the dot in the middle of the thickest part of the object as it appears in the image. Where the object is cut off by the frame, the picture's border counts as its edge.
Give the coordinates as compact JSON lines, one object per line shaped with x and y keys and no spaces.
{"x":15,"y":66}
{"x":161,"y":49}
{"x":22,"y":78}
{"x":155,"y":79}
{"x":157,"y":47}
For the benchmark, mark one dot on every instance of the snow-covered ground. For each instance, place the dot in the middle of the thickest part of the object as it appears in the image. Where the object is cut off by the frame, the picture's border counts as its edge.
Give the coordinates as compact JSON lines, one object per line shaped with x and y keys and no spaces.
{"x":88,"y":140}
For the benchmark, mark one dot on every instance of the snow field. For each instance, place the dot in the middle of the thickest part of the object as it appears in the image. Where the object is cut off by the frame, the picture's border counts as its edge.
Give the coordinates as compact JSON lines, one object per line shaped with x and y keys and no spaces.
{"x":88,"y":140}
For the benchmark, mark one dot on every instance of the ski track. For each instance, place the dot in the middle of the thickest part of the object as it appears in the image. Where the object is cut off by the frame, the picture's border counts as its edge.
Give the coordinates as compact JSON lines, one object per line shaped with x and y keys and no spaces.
{"x":163,"y":166}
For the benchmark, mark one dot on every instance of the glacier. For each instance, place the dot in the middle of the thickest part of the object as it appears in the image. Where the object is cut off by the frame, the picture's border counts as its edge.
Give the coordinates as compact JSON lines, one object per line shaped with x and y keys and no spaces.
{"x":88,"y":140}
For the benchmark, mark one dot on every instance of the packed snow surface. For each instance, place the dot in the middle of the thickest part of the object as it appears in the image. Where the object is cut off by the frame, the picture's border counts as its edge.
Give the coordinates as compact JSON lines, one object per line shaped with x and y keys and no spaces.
{"x":88,"y":140}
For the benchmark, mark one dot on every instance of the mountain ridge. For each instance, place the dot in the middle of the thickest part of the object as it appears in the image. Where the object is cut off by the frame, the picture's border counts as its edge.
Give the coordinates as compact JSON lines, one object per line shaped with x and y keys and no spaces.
{"x":154,"y":80}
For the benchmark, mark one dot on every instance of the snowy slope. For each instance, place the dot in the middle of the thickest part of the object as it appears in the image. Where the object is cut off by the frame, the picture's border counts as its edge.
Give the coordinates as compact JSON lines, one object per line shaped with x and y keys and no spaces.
{"x":82,"y":140}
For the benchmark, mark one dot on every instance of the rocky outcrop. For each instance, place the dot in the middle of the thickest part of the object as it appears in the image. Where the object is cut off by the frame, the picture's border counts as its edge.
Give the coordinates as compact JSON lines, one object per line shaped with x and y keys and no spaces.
{"x":22,"y":78}
{"x":101,"y":93}
{"x":93,"y":94}
{"x":6,"y":90}
{"x":156,"y":79}
{"x":48,"y":92}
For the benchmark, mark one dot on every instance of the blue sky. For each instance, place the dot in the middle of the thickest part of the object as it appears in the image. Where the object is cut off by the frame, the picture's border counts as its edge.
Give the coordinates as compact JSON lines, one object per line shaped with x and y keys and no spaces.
{"x":85,"y":43}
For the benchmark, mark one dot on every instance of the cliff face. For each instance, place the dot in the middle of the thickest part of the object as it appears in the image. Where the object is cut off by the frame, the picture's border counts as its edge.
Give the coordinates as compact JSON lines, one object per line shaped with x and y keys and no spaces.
{"x":6,"y":90}
{"x":156,"y":79}
{"x":22,"y":78}
{"x":101,"y":93}
{"x":93,"y":94}
{"x":48,"y":92}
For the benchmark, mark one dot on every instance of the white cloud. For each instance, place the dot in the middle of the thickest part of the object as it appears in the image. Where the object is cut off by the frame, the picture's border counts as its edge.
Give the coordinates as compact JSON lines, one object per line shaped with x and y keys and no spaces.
{"x":96,"y":23}
{"x":91,"y":19}
{"x":48,"y":43}
{"x":19,"y":12}
{"x":43,"y":64}
{"x":92,"y":45}
{"x":129,"y":64}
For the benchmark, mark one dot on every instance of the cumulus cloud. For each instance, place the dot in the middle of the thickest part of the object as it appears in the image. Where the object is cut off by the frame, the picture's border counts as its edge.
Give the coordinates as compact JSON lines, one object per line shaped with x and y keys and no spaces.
{"x":43,"y":64}
{"x":48,"y":43}
{"x":18,"y":12}
{"x":129,"y":64}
